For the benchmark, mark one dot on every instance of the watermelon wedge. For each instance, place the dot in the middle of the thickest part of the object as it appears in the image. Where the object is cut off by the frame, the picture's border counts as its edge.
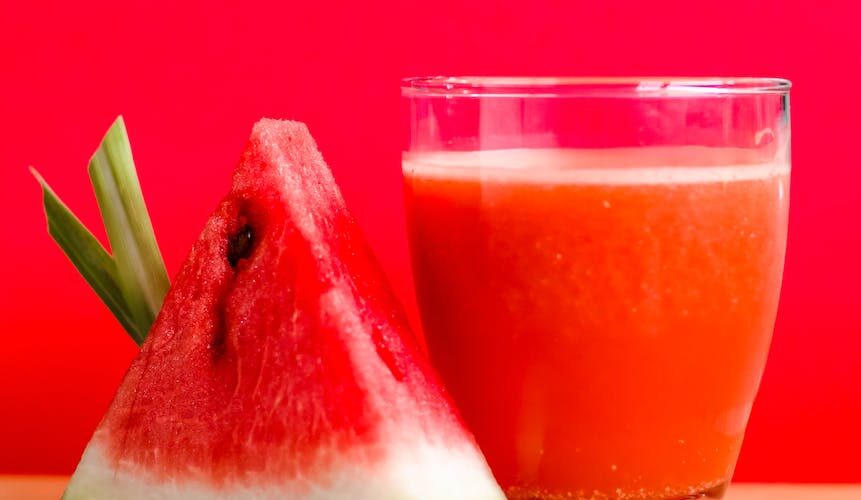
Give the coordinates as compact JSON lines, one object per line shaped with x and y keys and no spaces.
{"x":280,"y":365}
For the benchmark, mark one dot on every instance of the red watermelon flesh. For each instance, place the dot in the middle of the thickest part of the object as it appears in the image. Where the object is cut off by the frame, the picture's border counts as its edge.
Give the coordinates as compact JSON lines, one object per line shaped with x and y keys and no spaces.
{"x":280,"y":365}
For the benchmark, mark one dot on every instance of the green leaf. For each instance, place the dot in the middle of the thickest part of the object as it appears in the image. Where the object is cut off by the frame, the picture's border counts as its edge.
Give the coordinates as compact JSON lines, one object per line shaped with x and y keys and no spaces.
{"x":141,"y":275}
{"x":133,"y":281}
{"x":87,"y":254}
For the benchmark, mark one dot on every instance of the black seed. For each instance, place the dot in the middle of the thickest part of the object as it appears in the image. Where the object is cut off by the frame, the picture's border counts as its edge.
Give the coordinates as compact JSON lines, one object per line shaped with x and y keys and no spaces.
{"x":239,"y":245}
{"x":218,"y":343}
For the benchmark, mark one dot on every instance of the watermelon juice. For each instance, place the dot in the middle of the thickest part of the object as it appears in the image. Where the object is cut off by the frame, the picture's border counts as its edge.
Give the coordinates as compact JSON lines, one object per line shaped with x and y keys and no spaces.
{"x":601,"y":316}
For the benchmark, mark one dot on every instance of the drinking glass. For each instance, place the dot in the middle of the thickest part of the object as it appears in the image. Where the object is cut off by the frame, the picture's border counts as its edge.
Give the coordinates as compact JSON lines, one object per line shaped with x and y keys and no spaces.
{"x":598,"y":264}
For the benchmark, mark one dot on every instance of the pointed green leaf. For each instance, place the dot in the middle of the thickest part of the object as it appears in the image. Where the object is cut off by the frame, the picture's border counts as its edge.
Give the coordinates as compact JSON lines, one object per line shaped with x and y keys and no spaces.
{"x":140,"y":271}
{"x":88,"y":256}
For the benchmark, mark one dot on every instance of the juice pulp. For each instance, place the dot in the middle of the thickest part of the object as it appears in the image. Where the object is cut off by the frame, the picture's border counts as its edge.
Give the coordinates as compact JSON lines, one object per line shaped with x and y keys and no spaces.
{"x":601,"y":317}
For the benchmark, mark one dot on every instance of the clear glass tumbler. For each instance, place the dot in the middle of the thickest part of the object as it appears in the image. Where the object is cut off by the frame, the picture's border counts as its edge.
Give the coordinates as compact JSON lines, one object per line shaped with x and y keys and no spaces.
{"x":598,"y":264}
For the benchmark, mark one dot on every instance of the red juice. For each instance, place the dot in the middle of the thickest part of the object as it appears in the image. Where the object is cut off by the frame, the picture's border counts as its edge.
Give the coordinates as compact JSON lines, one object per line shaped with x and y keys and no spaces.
{"x":601,"y":316}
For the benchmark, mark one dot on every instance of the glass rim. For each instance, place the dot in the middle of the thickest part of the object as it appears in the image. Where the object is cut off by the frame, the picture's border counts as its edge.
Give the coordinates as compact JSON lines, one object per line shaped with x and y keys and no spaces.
{"x":577,"y":86}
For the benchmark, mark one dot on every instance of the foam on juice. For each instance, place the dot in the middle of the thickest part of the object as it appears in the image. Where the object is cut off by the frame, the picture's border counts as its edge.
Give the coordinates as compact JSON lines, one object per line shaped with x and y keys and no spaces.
{"x":611,"y":166}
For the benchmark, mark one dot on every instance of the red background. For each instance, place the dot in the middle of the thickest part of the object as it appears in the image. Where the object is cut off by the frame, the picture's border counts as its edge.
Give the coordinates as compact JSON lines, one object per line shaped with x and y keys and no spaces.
{"x":191,"y":80}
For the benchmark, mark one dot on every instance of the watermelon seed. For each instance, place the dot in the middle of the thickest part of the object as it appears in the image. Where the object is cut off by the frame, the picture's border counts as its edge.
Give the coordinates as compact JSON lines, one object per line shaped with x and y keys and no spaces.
{"x":219,"y":335}
{"x":239,"y":246}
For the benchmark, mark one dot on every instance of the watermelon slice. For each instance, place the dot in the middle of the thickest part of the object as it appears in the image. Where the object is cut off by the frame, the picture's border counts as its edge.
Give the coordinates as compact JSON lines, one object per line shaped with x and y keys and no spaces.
{"x":280,"y":365}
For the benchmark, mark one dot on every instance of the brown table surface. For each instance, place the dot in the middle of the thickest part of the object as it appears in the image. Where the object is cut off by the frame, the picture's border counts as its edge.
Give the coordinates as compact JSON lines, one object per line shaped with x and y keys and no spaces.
{"x":50,"y":488}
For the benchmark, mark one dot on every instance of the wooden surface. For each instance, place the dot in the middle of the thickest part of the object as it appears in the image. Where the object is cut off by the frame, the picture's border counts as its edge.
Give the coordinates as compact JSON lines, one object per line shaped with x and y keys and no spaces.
{"x":793,"y":492}
{"x":51,"y":487}
{"x":32,"y":487}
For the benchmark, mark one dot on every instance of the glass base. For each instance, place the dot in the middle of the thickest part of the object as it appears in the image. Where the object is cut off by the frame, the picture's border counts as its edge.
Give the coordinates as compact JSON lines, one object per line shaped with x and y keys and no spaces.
{"x":530,"y":493}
